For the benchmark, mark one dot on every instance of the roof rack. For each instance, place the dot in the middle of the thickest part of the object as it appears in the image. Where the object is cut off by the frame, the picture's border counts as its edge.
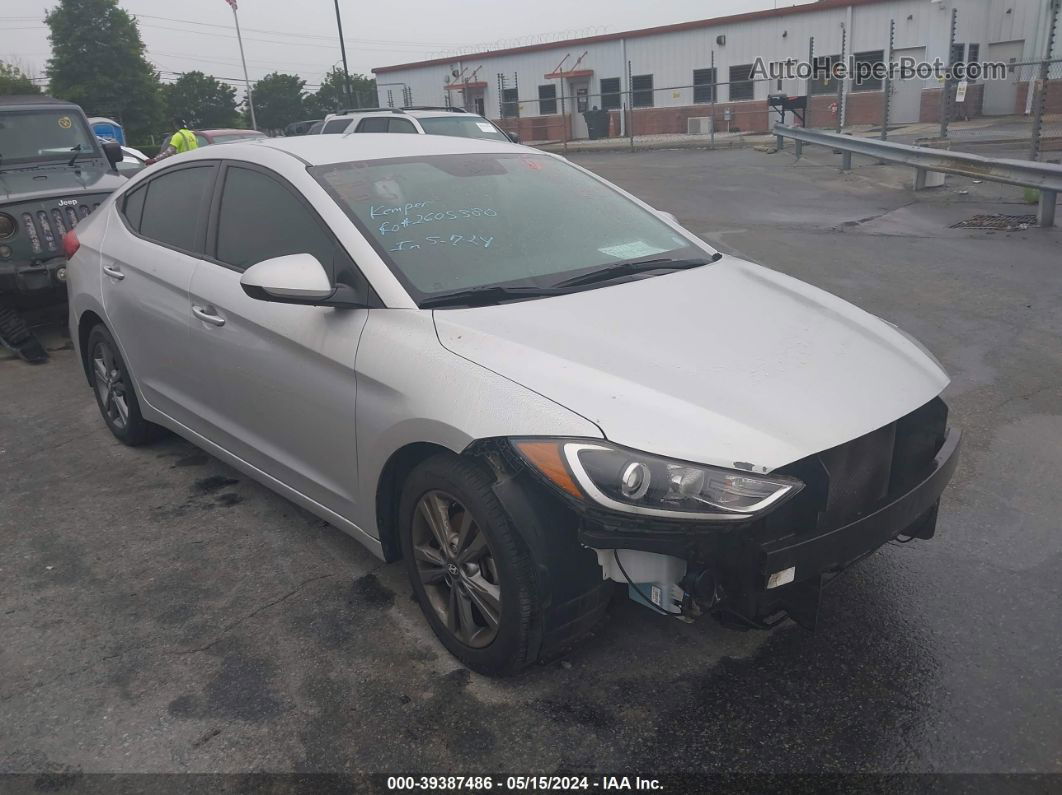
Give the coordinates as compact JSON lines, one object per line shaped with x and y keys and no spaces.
{"x":451,"y":108}
{"x":348,"y":111}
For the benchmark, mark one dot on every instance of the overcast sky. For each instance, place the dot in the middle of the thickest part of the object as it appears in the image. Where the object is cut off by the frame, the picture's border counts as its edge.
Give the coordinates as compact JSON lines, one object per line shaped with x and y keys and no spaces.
{"x":299,"y":36}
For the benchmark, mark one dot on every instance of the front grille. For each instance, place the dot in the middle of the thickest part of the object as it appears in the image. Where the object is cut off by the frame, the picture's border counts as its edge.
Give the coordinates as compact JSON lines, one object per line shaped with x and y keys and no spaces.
{"x":45,"y":228}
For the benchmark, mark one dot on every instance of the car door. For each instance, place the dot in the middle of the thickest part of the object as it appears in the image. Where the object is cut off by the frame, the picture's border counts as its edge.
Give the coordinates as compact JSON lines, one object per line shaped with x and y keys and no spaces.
{"x":152,"y":249}
{"x":281,"y":388}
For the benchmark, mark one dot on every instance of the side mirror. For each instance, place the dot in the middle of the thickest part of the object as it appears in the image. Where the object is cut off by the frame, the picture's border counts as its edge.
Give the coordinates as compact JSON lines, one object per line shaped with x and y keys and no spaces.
{"x":513,"y":137}
{"x":296,"y":279}
{"x":113,"y":152}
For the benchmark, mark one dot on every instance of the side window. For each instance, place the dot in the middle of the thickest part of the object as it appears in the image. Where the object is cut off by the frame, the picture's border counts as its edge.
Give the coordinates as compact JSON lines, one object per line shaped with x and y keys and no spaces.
{"x":260,"y":218}
{"x":173,"y":207}
{"x":401,"y":126}
{"x":133,"y":206}
{"x":373,"y":124}
{"x":336,"y":126}
{"x":201,"y":140}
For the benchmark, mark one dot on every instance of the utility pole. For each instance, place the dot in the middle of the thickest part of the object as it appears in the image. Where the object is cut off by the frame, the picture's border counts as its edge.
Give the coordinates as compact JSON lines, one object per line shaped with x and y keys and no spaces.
{"x":246,"y":79}
{"x":343,"y":49}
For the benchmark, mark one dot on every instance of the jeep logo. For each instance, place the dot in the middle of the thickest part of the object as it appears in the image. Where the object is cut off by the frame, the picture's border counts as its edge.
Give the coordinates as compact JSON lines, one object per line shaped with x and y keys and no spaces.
{"x":67,"y":202}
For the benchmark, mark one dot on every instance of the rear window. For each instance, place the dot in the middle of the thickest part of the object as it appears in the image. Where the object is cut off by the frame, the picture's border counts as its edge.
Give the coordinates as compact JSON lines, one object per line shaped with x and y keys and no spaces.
{"x":463,"y":127}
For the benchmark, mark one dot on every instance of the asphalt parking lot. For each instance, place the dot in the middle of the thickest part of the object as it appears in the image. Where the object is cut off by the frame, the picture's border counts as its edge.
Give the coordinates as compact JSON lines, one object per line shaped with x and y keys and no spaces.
{"x":159,"y":612}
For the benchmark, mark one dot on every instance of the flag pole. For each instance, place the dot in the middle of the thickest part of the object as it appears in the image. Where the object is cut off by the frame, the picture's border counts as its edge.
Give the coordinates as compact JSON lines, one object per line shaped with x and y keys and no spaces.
{"x":250,"y":97}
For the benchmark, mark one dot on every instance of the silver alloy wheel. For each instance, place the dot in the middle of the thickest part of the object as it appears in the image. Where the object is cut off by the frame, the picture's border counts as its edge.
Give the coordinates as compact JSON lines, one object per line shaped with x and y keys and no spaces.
{"x":110,"y":385}
{"x":457,"y":567}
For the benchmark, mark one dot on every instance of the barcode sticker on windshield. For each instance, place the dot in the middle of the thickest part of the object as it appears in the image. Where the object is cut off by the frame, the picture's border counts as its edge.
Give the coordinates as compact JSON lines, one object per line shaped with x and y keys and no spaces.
{"x":639,"y":248}
{"x":485,"y":126}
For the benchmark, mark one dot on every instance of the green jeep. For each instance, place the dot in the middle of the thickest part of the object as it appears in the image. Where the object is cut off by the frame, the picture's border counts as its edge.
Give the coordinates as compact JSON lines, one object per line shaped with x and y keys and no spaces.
{"x":53,"y":172}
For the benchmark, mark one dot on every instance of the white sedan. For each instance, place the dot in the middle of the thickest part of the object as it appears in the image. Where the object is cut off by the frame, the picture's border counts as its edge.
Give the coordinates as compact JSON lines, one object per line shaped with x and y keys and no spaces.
{"x":521,"y":379}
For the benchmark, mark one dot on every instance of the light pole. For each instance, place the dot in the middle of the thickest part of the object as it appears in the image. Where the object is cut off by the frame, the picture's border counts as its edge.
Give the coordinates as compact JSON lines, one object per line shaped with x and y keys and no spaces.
{"x":343,"y":49}
{"x":246,"y":79}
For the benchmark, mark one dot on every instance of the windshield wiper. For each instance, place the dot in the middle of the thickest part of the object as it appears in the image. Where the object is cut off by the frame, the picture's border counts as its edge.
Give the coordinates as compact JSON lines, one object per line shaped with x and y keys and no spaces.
{"x":479,"y":296}
{"x":77,"y":153}
{"x":618,"y":269}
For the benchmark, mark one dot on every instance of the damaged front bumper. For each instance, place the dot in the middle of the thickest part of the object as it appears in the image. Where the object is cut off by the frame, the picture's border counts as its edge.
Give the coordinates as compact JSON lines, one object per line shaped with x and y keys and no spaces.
{"x":756,"y":576}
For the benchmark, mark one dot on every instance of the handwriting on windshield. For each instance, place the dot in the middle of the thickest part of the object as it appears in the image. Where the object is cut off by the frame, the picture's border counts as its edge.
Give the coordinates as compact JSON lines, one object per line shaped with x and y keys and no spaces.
{"x":412,"y":218}
{"x":396,"y":209}
{"x":476,"y":241}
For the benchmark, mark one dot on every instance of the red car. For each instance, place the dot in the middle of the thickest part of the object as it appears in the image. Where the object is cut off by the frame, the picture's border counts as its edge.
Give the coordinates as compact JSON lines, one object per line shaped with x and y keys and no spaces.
{"x":207,"y":137}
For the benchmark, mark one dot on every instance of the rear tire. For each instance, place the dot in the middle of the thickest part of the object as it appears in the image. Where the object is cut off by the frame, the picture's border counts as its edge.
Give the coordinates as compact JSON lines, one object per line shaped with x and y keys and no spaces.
{"x":470,"y":570}
{"x":113,"y":387}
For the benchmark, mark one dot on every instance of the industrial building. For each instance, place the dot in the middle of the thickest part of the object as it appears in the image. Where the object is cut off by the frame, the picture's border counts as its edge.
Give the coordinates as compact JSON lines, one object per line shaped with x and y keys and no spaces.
{"x":680,"y":78}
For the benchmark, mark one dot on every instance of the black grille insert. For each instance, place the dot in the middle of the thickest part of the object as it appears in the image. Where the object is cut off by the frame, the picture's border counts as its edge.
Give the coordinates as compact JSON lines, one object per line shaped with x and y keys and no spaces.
{"x":45,"y":228}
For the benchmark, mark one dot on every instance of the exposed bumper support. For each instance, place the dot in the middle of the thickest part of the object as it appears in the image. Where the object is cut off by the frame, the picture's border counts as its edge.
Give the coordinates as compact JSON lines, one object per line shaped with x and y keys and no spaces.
{"x":838,"y":548}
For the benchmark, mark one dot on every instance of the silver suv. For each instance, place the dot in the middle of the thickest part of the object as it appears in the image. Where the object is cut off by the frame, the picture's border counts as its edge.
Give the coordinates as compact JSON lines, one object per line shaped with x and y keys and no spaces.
{"x":422,"y":120}
{"x":528,"y":384}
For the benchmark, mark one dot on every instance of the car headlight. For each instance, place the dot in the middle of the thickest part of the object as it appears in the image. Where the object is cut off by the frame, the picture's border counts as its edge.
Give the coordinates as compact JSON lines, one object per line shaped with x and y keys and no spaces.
{"x":640,"y":483}
{"x":8,"y":227}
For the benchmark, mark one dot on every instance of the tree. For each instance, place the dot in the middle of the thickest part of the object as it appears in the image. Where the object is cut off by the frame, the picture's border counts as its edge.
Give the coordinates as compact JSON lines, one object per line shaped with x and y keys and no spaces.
{"x":202,"y":99}
{"x":98,"y":61}
{"x":14,"y":81}
{"x":278,"y":100}
{"x":331,"y":96}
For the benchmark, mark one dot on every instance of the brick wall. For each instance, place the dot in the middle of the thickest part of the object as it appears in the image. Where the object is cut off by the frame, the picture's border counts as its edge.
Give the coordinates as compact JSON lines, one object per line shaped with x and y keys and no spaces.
{"x":1054,"y":97}
{"x":537,"y":128}
{"x":930,"y":109}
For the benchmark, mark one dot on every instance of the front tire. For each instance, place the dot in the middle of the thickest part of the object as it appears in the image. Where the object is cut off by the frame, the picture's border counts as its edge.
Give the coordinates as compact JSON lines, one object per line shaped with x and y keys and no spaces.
{"x":113,"y":387}
{"x":470,"y":569}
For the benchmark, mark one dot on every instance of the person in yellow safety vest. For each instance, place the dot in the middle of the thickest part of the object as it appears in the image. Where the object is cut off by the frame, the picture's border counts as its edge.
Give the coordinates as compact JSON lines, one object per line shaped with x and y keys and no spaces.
{"x":181,"y":141}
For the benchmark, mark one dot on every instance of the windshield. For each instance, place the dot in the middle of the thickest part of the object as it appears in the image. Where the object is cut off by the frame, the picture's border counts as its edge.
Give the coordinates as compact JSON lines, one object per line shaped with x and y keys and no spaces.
{"x":453,"y":222}
{"x":462,"y":127}
{"x":35,"y":135}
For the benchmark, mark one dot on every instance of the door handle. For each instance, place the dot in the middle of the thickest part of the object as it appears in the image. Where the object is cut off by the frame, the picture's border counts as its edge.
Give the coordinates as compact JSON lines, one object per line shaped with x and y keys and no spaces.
{"x":208,"y":315}
{"x":113,"y":272}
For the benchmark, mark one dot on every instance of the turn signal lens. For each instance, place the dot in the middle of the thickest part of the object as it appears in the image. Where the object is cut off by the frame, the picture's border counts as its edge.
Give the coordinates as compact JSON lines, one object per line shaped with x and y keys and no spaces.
{"x":8,"y":226}
{"x":546,"y":458}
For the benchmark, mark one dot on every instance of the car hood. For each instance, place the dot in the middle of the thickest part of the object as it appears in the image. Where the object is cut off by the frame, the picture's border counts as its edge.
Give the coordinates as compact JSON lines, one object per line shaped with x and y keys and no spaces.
{"x":41,"y":183}
{"x":729,"y":364}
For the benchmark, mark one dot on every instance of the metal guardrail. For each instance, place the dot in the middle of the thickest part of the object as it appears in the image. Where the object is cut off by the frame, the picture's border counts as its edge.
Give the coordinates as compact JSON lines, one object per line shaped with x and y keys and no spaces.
{"x":1046,"y":177}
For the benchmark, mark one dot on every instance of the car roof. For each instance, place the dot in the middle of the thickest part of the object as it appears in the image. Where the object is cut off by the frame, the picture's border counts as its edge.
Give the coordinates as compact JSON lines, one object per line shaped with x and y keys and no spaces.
{"x":428,"y":114}
{"x":34,"y":99}
{"x":316,"y":150}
